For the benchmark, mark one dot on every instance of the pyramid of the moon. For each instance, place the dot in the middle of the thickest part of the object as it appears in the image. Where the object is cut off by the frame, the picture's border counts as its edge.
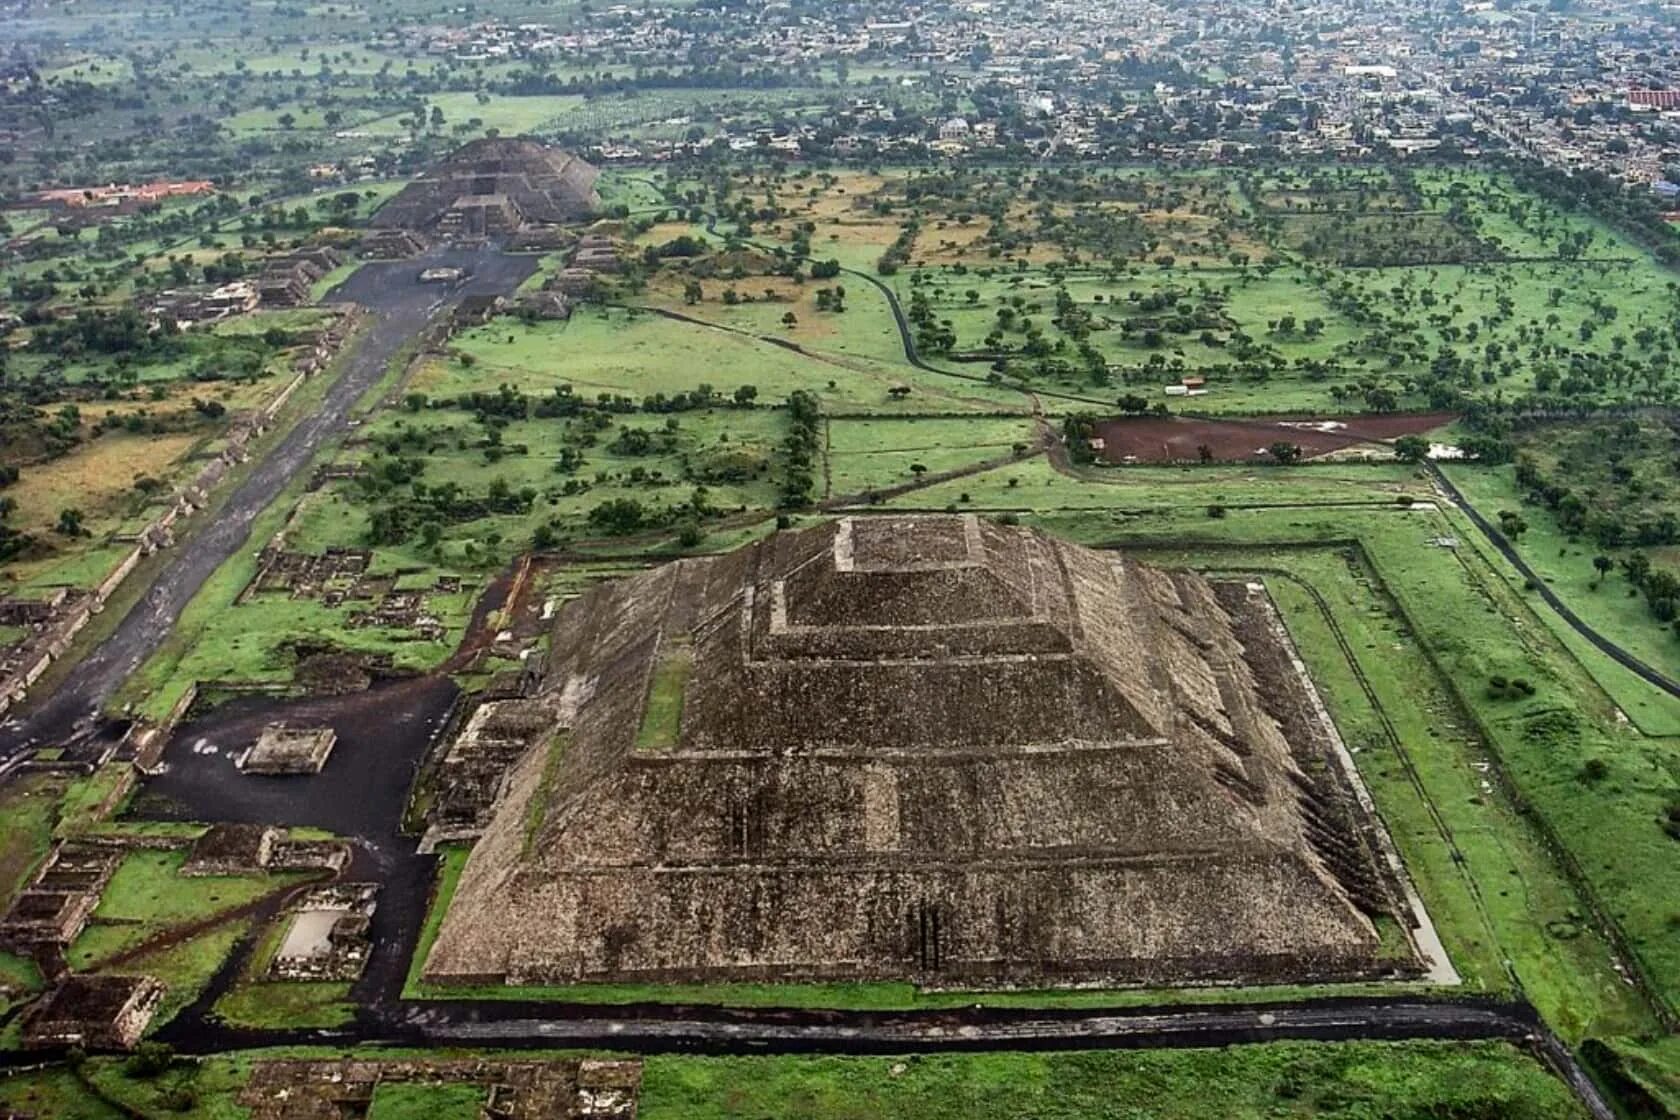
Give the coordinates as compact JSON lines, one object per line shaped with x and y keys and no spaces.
{"x":924,"y":748}
{"x":525,"y":182}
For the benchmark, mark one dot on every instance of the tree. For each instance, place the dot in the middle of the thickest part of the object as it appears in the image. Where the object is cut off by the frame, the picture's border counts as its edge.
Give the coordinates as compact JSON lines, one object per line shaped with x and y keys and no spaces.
{"x":618,"y":516}
{"x":1512,"y":524}
{"x":1637,"y":566}
{"x":150,"y":1059}
{"x":1604,"y":564}
{"x":693,"y":293}
{"x":70,"y":522}
{"x":1285,"y":452}
{"x":1411,"y":449}
{"x":790,"y":320}
{"x":745,"y":396}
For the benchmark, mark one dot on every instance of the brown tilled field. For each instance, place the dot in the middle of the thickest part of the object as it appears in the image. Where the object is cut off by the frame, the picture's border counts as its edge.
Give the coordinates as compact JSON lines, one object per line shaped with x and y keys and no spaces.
{"x":1173,"y":439}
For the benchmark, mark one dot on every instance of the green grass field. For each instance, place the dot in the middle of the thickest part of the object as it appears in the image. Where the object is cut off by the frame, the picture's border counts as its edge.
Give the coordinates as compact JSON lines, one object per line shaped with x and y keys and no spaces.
{"x":1344,"y":1081}
{"x":1350,"y":1080}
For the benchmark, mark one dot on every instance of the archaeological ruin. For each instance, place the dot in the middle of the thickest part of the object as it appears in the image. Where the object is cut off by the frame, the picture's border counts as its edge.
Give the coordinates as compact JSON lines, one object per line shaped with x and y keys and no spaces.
{"x":494,"y":187}
{"x":288,"y":750}
{"x":932,"y":749}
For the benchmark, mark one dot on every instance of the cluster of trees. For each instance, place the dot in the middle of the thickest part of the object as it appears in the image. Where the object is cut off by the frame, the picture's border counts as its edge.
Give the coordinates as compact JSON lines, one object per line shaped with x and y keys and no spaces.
{"x":800,"y":449}
{"x":618,"y":517}
{"x":898,"y":253}
{"x":123,"y":331}
{"x":933,"y":334}
{"x":1579,"y":514}
{"x":1078,"y":430}
{"x":13,"y":542}
{"x":509,"y":403}
{"x":425,"y":510}
{"x":1609,"y":524}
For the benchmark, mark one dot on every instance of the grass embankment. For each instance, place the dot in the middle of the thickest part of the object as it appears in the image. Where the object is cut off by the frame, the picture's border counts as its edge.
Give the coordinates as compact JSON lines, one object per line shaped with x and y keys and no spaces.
{"x":1607,"y":603}
{"x":1344,"y":1080}
{"x":1331,"y":1081}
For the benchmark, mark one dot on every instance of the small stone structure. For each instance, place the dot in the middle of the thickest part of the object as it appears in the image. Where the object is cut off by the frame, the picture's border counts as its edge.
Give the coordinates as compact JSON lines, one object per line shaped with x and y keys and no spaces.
{"x":515,"y":1089}
{"x":572,"y":282}
{"x":93,"y":1012}
{"x":327,"y":934}
{"x":48,"y":914}
{"x":476,"y":310}
{"x":309,"y":855}
{"x":231,"y":849}
{"x":596,"y":253}
{"x":390,"y":245}
{"x":251,"y":849}
{"x":546,"y":304}
{"x":289,"y":750}
{"x":469,"y":777}
{"x":286,"y":281}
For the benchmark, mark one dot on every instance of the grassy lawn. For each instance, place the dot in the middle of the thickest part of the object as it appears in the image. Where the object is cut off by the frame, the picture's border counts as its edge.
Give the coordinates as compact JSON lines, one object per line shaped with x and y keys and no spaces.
{"x":257,"y":1002}
{"x":53,"y":1092}
{"x":1343,"y":1081}
{"x":662,"y":718}
{"x":1609,"y":604}
{"x":30,"y":808}
{"x":869,"y":453}
{"x":1284,"y":1080}
{"x":185,"y":968}
{"x":637,"y":353}
{"x":148,"y":888}
{"x":419,"y":1101}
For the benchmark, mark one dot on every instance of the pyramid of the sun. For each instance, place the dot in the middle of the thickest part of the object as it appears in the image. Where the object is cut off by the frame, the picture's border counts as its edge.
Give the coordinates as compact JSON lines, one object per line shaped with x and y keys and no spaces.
{"x":928,"y":748}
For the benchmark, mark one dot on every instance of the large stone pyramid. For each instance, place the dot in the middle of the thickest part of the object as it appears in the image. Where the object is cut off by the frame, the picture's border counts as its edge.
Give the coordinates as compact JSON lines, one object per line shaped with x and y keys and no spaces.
{"x":534,"y":184}
{"x":923,"y":748}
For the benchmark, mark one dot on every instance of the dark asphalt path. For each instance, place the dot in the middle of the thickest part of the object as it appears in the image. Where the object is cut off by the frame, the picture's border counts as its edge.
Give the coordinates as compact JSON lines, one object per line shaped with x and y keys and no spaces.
{"x":399,"y":308}
{"x":1604,"y":645}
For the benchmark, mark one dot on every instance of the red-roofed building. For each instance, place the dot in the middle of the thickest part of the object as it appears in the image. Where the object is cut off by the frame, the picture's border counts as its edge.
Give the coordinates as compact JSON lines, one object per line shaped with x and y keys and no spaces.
{"x":1654,"y":99}
{"x":123,"y":195}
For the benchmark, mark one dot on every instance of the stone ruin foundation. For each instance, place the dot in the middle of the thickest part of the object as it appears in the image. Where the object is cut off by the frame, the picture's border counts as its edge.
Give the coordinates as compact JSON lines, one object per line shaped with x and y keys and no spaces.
{"x":326,"y":934}
{"x":288,"y":750}
{"x":564,"y":1089}
{"x":93,"y":1012}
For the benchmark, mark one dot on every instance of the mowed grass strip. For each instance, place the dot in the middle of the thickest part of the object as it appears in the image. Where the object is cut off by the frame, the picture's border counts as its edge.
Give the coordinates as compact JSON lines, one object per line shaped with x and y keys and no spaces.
{"x":662,"y":719}
{"x":1355,"y":1079}
{"x":416,"y":1100}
